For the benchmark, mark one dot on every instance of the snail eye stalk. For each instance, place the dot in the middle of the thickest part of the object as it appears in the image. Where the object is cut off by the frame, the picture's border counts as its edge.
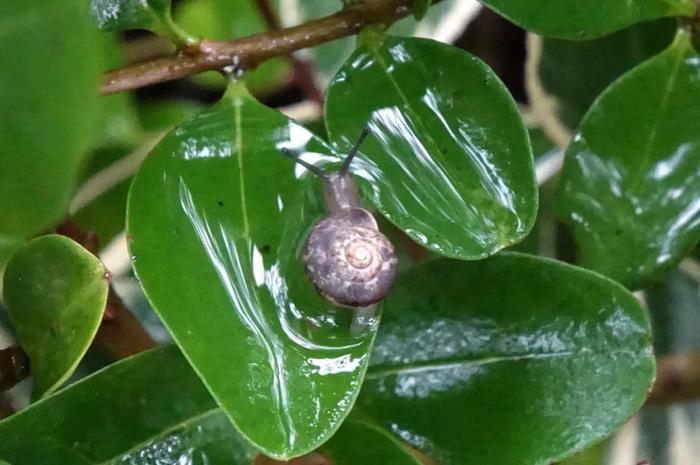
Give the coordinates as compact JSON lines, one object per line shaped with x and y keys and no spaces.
{"x":314,"y":169}
{"x":353,"y":151}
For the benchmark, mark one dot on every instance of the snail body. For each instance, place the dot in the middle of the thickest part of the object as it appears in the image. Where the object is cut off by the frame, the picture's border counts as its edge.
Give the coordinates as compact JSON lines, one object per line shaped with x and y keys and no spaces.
{"x":347,"y":259}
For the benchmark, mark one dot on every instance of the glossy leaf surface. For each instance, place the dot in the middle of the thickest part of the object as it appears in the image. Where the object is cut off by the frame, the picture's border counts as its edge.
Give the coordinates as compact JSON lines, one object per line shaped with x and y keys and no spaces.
{"x":148,"y":409}
{"x":217,"y":218}
{"x":574,"y":19}
{"x":629,"y":188}
{"x":55,"y":293}
{"x":513,"y":360}
{"x":576,"y":72}
{"x":448,"y":160}
{"x":46,"y":121}
{"x":359,"y":442}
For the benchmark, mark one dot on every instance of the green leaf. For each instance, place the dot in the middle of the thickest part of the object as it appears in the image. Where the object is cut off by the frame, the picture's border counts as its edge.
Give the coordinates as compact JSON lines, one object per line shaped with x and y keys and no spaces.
{"x":514,"y":360}
{"x":45,"y":452}
{"x":577,"y":72}
{"x":217,"y":218}
{"x":148,"y":409}
{"x":226,"y":20}
{"x":153,"y":15}
{"x":55,"y":293}
{"x":448,"y":161}
{"x":359,"y":442}
{"x":48,"y":90}
{"x":574,"y":19}
{"x":629,"y":188}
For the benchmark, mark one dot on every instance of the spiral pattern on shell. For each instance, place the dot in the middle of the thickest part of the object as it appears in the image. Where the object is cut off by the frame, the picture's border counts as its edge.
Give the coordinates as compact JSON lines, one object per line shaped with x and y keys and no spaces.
{"x":348,"y":260}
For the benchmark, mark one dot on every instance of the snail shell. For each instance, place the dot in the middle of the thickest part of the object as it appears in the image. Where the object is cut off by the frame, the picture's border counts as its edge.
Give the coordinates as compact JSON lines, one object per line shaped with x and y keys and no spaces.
{"x":348,"y":260}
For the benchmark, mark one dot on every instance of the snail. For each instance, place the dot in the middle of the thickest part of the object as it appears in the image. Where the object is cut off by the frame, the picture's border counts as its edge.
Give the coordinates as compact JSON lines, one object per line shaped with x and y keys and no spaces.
{"x":347,"y":259}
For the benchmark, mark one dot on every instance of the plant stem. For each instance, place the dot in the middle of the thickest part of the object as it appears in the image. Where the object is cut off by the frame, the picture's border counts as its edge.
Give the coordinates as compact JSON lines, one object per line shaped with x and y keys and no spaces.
{"x":677,"y":379}
{"x":249,"y":52}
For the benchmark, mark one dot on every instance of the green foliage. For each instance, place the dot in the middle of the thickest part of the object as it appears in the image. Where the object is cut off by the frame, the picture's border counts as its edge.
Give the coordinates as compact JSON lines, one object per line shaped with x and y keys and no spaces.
{"x":577,"y":20}
{"x":47,"y":89}
{"x":438,"y":111}
{"x":629,"y":188}
{"x":54,"y":292}
{"x":146,"y":408}
{"x":476,"y":356}
{"x":523,"y":376}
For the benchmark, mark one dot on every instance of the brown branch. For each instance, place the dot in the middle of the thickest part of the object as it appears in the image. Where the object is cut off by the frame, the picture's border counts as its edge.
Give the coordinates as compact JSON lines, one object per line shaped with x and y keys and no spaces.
{"x":249,"y":52}
{"x":677,"y":379}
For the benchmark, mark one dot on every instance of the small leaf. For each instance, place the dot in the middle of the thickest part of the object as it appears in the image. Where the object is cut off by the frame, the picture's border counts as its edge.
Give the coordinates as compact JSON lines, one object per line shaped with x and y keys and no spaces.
{"x":359,"y":442}
{"x":148,"y":409}
{"x":510,"y":360}
{"x":576,"y":72}
{"x":217,"y":218}
{"x":153,"y":15}
{"x":630,"y":184}
{"x":48,"y":90}
{"x":55,"y":293}
{"x":448,"y":160}
{"x":574,"y":19}
{"x":420,"y":8}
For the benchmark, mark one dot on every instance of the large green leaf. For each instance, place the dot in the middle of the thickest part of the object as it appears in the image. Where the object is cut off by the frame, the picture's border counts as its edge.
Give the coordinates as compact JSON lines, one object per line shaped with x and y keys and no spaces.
{"x":449,"y":160}
{"x":630,"y":186}
{"x":148,"y":409}
{"x":217,"y":217}
{"x":576,"y":72}
{"x":513,"y":360}
{"x":579,"y":20}
{"x":48,"y":90}
{"x":358,"y":442}
{"x":55,"y":293}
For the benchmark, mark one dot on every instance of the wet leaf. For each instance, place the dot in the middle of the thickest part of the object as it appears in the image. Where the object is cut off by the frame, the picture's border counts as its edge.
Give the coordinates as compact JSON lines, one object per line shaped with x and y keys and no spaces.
{"x":448,"y":160}
{"x":536,"y":360}
{"x":217,"y":218}
{"x":576,"y":72}
{"x":134,"y":412}
{"x":577,"y":20}
{"x":359,"y":442}
{"x":46,"y":122}
{"x":629,"y":187}
{"x":55,"y":293}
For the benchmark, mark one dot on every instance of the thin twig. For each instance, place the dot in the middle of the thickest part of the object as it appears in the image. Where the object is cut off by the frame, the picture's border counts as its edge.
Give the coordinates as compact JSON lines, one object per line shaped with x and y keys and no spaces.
{"x":249,"y":52}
